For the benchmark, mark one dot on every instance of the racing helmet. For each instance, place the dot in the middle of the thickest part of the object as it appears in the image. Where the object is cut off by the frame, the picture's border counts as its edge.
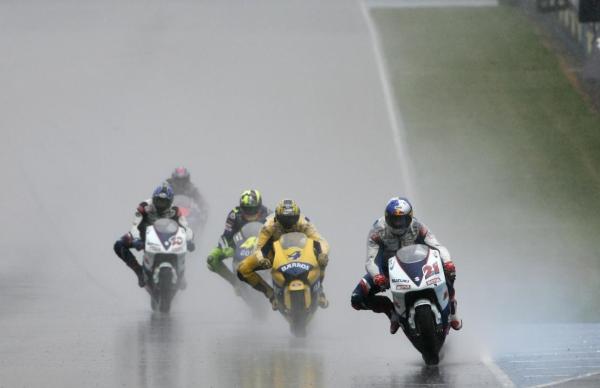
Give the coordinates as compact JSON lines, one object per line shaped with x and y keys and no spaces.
{"x":398,"y":215}
{"x":180,"y":176}
{"x":287,"y":213}
{"x":250,"y":203}
{"x":162,"y":197}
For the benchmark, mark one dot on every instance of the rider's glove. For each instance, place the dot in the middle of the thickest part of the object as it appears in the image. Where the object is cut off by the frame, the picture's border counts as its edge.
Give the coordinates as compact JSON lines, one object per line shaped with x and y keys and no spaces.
{"x":381,"y":281}
{"x":137,"y":244}
{"x":228,"y":252}
{"x":264,"y":263}
{"x":450,"y":271}
{"x":191,"y":246}
{"x":323,"y":259}
{"x":261,"y":261}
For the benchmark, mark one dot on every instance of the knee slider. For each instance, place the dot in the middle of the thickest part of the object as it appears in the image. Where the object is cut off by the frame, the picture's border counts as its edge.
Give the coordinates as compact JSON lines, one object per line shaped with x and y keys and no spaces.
{"x":357,"y":301}
{"x":119,"y":247}
{"x":240,"y":276}
{"x":213,"y":263}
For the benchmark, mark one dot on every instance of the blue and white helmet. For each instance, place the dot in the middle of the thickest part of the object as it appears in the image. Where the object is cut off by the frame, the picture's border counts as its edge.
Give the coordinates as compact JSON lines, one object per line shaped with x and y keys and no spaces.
{"x":398,"y":215}
{"x":162,"y":197}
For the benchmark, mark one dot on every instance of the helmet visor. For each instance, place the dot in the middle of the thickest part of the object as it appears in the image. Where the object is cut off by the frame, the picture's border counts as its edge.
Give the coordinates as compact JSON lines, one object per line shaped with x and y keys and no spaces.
{"x":399,"y":222}
{"x":162,"y":203}
{"x":249,"y":210}
{"x":288,"y":220}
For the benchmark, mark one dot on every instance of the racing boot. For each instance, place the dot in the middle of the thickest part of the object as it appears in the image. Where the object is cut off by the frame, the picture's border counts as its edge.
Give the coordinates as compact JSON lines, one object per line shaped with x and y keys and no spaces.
{"x":394,"y":322}
{"x":140,"y":275}
{"x":122,"y":250}
{"x":455,"y":321}
{"x":382,"y":304}
{"x":322,"y":300}
{"x":138,"y":270}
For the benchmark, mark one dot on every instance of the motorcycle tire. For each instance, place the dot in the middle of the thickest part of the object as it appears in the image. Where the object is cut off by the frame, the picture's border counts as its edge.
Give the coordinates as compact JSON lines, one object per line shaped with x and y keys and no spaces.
{"x":425,"y":323}
{"x":165,"y":290}
{"x":298,"y":314}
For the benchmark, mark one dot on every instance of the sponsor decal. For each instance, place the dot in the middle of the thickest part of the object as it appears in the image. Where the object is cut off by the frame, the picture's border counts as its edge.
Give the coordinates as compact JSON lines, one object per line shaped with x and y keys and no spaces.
{"x":429,"y":271}
{"x":417,"y":279}
{"x":402,"y":286}
{"x":176,"y":240}
{"x":435,"y":280}
{"x":295,"y":256}
{"x":399,"y":280}
{"x":303,"y":266}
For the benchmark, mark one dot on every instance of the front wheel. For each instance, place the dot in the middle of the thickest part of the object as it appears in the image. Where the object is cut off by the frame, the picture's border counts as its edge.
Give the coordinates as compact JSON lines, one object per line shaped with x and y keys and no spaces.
{"x":298,"y":314}
{"x":165,"y":290}
{"x":426,"y":327}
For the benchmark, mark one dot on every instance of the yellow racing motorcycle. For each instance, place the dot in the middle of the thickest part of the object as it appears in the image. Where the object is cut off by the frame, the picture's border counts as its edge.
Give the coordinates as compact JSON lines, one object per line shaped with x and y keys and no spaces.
{"x":296,"y":279}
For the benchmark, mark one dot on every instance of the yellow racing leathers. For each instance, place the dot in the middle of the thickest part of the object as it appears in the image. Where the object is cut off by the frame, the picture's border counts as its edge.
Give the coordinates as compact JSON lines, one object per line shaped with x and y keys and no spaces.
{"x":263,"y":256}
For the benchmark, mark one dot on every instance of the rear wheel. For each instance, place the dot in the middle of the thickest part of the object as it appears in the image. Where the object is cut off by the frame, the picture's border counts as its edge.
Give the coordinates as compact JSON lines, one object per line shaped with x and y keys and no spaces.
{"x":165,"y":290}
{"x":426,"y":327}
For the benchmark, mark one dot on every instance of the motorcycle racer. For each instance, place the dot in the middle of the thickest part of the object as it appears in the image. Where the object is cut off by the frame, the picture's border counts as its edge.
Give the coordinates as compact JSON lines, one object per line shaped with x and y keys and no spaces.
{"x":287,"y":219}
{"x":182,"y":185}
{"x":159,"y":206}
{"x":250,"y":209}
{"x":398,"y":228}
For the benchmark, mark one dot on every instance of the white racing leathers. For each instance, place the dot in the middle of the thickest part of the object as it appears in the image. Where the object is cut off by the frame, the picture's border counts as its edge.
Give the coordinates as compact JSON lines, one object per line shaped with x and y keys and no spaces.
{"x":382,"y":243}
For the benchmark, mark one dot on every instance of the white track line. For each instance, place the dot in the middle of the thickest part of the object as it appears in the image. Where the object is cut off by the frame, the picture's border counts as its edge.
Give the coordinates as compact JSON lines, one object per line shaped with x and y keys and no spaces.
{"x":502,"y":377}
{"x":566,"y":380}
{"x":430,"y":3}
{"x":395,"y":117}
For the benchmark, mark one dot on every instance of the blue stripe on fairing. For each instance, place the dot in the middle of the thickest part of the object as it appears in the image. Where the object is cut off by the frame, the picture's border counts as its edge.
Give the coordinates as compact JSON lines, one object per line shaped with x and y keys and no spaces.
{"x":414,"y":270}
{"x":164,"y":239}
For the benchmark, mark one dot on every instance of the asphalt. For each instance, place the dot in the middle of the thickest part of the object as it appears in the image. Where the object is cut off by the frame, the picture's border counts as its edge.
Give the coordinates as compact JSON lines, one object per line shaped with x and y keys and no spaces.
{"x":101,"y":101}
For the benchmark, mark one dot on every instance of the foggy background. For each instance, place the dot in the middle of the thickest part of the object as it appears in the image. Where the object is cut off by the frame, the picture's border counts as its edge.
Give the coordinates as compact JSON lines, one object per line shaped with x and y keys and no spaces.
{"x":100,"y":101}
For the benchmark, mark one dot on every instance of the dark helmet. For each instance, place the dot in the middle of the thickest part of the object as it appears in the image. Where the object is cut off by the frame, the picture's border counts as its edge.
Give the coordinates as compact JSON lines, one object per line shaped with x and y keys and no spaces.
{"x":398,"y":215}
{"x":287,"y":213}
{"x":180,"y":176}
{"x":162,"y":198}
{"x":250,"y":203}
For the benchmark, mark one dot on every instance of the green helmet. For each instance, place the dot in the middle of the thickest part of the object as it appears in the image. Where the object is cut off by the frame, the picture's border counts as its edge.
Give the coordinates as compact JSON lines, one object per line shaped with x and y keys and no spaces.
{"x":250,"y":203}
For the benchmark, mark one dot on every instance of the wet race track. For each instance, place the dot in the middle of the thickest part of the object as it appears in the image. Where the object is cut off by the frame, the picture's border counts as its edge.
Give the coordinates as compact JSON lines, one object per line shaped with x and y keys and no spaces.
{"x":334,"y":104}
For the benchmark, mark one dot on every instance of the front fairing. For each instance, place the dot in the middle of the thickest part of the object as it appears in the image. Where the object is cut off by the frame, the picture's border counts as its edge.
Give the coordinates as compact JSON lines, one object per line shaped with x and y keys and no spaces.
{"x":245,"y":240}
{"x":165,"y":237}
{"x":294,"y":259}
{"x":415,"y":276}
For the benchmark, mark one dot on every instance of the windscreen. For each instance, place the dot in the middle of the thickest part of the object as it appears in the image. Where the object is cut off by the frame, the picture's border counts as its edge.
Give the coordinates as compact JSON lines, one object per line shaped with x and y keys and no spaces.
{"x":413,"y":253}
{"x":295,"y":239}
{"x":251,"y":229}
{"x":165,"y":226}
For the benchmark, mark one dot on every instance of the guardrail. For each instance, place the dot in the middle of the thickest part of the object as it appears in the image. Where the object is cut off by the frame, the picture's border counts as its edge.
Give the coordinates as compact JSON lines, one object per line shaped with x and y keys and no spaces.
{"x":565,"y":15}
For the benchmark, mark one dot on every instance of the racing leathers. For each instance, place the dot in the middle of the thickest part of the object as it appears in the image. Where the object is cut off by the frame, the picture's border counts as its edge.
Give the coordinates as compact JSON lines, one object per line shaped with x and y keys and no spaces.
{"x":263,"y":256}
{"x":191,"y":191}
{"x":225,"y":248}
{"x":382,"y":244}
{"x":145,"y":215}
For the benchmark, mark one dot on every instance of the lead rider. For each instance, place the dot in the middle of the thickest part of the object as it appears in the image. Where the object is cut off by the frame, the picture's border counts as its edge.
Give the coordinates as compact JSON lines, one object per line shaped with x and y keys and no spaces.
{"x":397,"y":229}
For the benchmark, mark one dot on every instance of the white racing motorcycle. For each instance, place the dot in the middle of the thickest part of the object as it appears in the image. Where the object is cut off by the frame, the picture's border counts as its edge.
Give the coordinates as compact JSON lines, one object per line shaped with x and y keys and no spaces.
{"x":421,"y":298}
{"x":164,"y":261}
